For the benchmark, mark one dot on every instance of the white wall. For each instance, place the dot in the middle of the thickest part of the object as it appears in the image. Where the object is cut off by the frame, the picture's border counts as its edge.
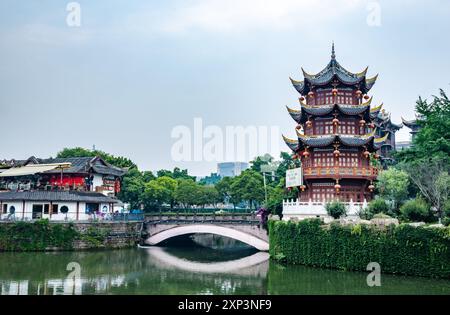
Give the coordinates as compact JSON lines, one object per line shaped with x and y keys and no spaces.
{"x":71,"y":215}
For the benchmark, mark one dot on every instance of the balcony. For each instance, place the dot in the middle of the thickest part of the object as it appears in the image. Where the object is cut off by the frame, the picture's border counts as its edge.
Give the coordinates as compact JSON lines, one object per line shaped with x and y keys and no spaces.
{"x":340,"y":172}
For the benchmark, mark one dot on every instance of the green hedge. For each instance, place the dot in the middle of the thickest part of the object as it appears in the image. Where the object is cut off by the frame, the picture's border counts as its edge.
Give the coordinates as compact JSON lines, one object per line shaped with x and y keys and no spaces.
{"x":41,"y":235}
{"x":400,"y":250}
{"x":36,"y":236}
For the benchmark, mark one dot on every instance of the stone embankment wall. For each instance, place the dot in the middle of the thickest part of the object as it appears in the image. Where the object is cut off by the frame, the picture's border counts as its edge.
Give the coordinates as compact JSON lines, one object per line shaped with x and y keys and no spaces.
{"x":43,"y":235}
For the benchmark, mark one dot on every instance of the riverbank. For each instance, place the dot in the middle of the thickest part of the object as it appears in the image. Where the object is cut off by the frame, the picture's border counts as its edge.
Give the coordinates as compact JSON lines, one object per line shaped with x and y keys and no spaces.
{"x":403,"y":249}
{"x":44,"y":235}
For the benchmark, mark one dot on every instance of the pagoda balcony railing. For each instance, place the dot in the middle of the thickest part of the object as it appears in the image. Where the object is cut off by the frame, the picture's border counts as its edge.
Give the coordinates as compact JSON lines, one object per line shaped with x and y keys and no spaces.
{"x":340,"y":171}
{"x":294,"y":208}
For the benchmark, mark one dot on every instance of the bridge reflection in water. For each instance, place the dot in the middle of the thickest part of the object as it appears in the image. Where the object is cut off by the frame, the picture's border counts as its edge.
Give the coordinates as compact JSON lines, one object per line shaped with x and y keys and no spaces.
{"x":254,"y":265}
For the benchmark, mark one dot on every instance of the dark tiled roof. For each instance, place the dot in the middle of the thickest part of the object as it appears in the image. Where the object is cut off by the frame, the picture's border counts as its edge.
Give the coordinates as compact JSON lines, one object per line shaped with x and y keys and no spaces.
{"x":82,"y":196}
{"x":331,"y":71}
{"x":79,"y":164}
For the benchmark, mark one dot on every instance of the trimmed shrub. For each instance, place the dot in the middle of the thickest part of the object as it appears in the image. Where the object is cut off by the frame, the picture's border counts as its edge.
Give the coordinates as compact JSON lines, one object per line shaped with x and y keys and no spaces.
{"x":378,"y":205}
{"x":416,"y":210}
{"x":403,"y":249}
{"x":336,"y":209}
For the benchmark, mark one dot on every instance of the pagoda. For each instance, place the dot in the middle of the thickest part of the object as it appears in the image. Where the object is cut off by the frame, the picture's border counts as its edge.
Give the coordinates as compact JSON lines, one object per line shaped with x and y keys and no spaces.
{"x":413,"y":125}
{"x":385,"y":126}
{"x":337,"y":136}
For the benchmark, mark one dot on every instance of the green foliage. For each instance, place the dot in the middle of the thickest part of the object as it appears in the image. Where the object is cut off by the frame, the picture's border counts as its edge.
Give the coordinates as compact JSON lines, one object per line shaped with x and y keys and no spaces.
{"x":95,"y":236}
{"x":118,"y":161}
{"x":377,"y":205}
{"x":188,"y":193}
{"x":401,"y":250}
{"x":36,"y":236}
{"x":177,"y":173}
{"x":416,"y":210}
{"x":249,"y":187}
{"x":433,"y":139}
{"x":336,"y":209}
{"x":393,"y":185}
{"x":159,"y":191}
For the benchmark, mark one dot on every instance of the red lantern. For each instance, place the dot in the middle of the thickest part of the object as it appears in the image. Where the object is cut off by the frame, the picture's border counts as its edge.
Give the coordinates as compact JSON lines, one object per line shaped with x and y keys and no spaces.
{"x":337,"y":187}
{"x":362,"y":122}
{"x":306,"y":154}
{"x":336,"y":153}
{"x":335,"y":121}
{"x":371,"y":187}
{"x":302,"y":187}
{"x":358,"y":93}
{"x":309,"y":124}
{"x":366,"y":154}
{"x":311,"y":94}
{"x":334,"y":91}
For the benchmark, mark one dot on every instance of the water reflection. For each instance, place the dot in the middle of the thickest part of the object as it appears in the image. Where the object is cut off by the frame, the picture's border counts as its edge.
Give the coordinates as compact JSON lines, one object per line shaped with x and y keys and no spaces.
{"x":254,"y":265}
{"x":187,"y":271}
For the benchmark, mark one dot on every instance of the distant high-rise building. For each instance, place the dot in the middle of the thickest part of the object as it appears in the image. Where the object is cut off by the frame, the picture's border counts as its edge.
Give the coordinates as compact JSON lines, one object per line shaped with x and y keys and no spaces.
{"x":231,"y":169}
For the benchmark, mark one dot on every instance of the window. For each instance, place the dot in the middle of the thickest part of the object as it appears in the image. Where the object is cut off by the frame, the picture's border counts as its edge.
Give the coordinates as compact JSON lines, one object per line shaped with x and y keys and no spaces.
{"x":5,"y":208}
{"x":55,"y":209}
{"x":46,"y":208}
{"x":64,"y":209}
{"x":91,"y":208}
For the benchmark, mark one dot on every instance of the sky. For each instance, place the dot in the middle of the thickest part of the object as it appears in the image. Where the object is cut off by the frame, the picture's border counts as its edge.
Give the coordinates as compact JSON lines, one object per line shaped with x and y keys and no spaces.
{"x":131,"y":72}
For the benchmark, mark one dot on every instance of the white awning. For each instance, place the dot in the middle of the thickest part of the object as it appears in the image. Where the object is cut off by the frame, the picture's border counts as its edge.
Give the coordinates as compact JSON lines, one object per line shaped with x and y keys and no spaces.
{"x":33,"y":169}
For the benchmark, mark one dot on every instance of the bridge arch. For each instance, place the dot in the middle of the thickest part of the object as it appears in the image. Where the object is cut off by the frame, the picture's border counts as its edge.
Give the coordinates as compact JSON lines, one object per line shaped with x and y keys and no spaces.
{"x":209,"y":229}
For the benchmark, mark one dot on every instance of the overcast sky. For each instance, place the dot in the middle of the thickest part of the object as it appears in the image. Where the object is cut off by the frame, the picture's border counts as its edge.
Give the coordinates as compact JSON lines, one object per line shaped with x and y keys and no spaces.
{"x":134,"y":70}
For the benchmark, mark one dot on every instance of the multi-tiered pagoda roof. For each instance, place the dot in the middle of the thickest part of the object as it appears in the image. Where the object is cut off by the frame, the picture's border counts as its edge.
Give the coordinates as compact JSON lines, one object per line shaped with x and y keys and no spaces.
{"x":334,"y":71}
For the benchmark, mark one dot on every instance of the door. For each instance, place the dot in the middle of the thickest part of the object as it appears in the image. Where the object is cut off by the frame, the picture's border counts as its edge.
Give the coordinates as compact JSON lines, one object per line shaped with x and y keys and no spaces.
{"x":37,"y":211}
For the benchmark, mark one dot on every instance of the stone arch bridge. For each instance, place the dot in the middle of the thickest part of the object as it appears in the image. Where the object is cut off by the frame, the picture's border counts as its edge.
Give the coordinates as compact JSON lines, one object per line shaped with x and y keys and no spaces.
{"x":243,"y":227}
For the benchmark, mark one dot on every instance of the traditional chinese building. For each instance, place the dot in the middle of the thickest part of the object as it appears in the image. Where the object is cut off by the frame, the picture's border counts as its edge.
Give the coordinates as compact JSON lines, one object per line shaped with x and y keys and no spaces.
{"x":413,"y":125}
{"x":79,"y":188}
{"x":385,"y":127}
{"x":338,"y":136}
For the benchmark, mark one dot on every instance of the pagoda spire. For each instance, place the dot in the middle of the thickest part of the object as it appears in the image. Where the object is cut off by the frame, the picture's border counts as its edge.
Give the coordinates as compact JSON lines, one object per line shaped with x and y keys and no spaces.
{"x":333,"y":54}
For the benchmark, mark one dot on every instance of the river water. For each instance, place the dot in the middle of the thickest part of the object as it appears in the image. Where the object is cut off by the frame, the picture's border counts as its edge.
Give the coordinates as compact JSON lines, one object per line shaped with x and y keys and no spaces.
{"x":187,"y":269}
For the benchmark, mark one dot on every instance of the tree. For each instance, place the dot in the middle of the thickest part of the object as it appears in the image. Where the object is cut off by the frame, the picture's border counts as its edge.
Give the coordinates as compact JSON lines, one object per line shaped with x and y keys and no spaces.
{"x":224,"y":188}
{"x":249,"y":187}
{"x":117,"y":161}
{"x":433,"y":139}
{"x":187,"y":193}
{"x":433,"y":180}
{"x":393,"y":185}
{"x":377,"y":206}
{"x":133,"y":185}
{"x":416,"y":210}
{"x":177,"y":173}
{"x":159,"y":191}
{"x":336,"y":209}
{"x":210,"y":195}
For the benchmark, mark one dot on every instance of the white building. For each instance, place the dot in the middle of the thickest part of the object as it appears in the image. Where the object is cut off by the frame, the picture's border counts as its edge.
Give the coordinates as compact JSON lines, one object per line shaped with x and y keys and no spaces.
{"x":294,"y":208}
{"x":56,"y":205}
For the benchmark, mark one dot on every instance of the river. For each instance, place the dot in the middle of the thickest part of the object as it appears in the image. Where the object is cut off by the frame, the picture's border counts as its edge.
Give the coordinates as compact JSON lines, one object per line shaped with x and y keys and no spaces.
{"x":187,"y":269}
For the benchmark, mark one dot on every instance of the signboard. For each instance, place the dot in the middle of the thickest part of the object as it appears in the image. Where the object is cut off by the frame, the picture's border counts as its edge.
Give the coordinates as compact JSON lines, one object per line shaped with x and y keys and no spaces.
{"x":294,"y":177}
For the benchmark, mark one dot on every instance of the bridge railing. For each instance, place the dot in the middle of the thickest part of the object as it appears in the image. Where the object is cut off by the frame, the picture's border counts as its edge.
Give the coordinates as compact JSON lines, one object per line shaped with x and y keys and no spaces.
{"x":245,"y":218}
